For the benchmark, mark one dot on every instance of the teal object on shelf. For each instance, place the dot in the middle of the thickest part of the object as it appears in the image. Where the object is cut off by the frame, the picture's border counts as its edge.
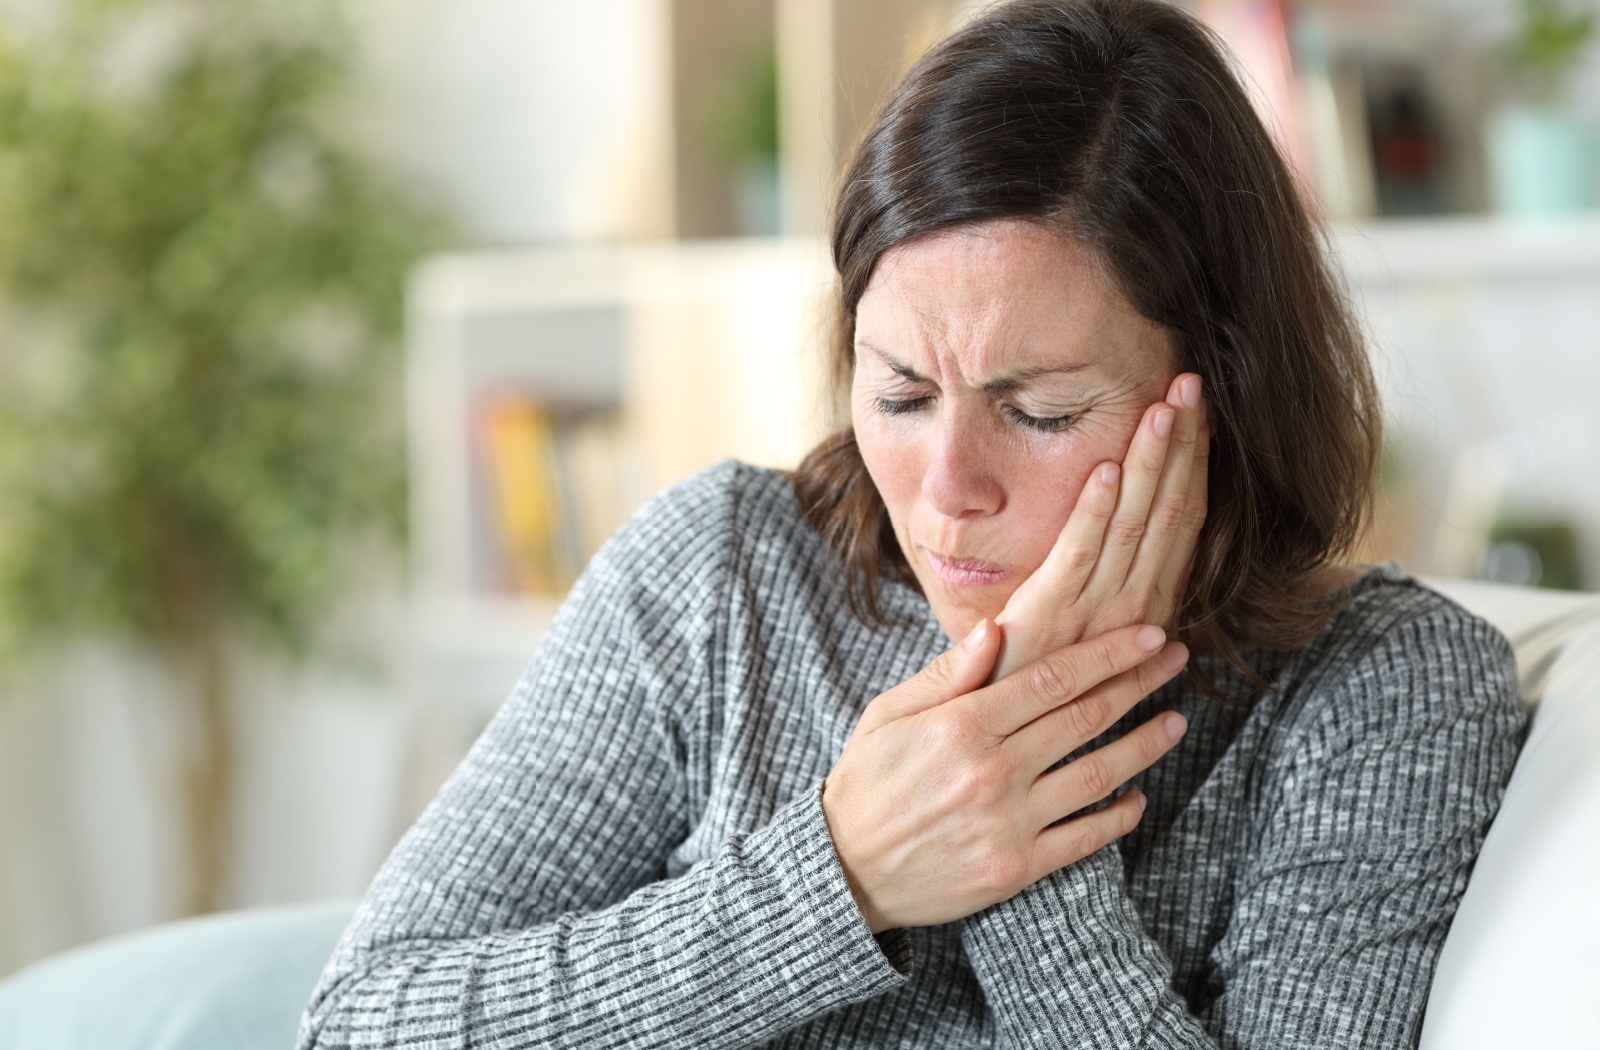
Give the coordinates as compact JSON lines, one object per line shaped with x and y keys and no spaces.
{"x":233,"y":981}
{"x":1543,"y":162}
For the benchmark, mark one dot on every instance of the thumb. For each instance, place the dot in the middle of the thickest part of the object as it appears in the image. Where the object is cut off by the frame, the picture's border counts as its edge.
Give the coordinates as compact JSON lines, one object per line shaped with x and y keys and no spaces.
{"x":954,"y":672}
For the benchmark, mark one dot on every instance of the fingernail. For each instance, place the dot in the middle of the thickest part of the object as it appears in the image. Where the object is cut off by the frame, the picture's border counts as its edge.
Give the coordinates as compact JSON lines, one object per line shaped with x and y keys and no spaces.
{"x":1175,"y":656}
{"x":1163,"y":422}
{"x":1189,"y":392}
{"x":1108,"y":474}
{"x":1150,"y":638}
{"x":1175,"y":725}
{"x":1143,"y":802}
{"x":975,"y":637}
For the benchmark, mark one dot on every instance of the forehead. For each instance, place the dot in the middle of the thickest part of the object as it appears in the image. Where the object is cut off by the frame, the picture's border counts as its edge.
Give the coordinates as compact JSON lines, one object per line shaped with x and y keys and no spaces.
{"x":1000,"y":295}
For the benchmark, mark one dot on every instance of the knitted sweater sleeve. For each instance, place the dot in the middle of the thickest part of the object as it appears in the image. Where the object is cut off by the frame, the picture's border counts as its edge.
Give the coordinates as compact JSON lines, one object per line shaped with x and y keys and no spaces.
{"x":1364,"y":829}
{"x":530,"y":904}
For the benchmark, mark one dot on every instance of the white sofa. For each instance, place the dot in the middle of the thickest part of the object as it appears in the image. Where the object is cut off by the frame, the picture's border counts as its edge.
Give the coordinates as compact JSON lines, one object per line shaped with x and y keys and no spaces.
{"x":1521,"y":966}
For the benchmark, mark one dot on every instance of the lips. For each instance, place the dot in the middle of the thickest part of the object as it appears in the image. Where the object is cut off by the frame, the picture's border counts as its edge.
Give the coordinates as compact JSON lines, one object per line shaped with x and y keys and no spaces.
{"x":966,"y":572}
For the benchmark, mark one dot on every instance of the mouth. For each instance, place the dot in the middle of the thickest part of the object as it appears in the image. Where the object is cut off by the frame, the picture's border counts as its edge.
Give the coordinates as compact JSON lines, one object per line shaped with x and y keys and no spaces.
{"x":966,"y":572}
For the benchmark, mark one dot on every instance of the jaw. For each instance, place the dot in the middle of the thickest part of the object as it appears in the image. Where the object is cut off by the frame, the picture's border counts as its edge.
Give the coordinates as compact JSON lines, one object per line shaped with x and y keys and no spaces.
{"x":959,"y":608}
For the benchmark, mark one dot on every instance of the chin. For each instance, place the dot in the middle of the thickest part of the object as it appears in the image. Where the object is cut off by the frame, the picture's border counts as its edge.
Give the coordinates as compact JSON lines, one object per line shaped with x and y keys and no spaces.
{"x":959,"y":609}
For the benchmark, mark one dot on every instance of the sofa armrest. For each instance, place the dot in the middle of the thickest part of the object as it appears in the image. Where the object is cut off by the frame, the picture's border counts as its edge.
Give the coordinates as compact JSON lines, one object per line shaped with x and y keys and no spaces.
{"x":1520,"y":965}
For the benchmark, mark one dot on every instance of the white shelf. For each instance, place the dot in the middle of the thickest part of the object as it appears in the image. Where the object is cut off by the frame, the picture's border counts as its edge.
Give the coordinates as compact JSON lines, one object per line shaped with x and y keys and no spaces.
{"x":1469,"y":248}
{"x":661,"y":330}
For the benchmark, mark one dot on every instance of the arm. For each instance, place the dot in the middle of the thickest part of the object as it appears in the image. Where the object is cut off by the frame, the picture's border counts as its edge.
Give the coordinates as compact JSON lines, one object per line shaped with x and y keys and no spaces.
{"x":1368,"y":823}
{"x":529,"y":905}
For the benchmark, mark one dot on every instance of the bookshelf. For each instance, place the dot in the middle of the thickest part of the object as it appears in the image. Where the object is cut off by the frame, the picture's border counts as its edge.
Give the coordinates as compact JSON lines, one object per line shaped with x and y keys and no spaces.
{"x":696,"y":350}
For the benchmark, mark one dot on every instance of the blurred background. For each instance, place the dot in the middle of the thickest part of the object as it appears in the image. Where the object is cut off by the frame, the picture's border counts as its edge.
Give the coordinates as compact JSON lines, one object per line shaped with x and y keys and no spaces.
{"x":335,"y":338}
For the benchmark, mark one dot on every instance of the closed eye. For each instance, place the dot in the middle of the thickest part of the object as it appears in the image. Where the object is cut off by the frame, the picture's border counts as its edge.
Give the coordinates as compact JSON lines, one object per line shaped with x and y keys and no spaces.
{"x":1046,"y":424}
{"x":894,"y":406}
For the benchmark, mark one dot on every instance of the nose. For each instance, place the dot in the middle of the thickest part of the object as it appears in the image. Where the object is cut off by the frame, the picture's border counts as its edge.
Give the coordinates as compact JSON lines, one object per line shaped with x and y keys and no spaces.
{"x":960,"y":481}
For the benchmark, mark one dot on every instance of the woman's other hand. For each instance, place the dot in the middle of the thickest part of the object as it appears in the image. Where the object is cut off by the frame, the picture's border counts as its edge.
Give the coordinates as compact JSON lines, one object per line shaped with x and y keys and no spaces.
{"x":943,"y":800}
{"x":1125,"y":551}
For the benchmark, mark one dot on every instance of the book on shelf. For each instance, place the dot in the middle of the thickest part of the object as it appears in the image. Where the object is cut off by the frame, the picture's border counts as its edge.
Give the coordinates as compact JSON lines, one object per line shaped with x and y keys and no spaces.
{"x":556,"y":486}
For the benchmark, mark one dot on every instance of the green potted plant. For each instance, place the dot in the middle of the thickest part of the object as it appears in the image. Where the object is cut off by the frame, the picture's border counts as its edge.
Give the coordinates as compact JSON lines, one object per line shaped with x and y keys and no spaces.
{"x":1544,"y":157}
{"x":200,"y":301}
{"x":741,"y":122}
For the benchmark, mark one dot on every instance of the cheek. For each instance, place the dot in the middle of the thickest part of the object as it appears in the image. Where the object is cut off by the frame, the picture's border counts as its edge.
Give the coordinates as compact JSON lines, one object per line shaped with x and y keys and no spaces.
{"x":1040,"y":497}
{"x":895,"y":457}
{"x":1044,"y":483}
{"x":1041,"y":478}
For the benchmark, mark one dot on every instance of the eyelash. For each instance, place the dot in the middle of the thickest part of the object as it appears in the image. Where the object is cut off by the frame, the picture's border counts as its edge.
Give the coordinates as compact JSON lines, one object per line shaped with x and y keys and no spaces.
{"x":890,"y":406}
{"x":1044,"y":424}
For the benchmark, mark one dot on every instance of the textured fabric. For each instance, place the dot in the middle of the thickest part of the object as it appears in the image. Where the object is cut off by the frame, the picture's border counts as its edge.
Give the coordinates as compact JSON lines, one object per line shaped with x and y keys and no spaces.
{"x":634,"y":853}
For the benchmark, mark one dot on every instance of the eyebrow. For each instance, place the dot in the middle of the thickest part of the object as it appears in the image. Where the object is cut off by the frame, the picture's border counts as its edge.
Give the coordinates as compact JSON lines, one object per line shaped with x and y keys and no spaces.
{"x":1009,"y":381}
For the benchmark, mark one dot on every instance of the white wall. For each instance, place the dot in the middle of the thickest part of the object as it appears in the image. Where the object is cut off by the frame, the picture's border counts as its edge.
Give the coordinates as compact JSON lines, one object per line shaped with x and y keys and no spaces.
{"x":89,"y":843}
{"x":1487,"y":337}
{"x":534,"y":121}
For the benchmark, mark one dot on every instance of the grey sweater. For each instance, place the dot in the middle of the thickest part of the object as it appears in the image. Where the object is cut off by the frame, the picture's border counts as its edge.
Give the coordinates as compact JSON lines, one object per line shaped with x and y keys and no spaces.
{"x":634,"y":853}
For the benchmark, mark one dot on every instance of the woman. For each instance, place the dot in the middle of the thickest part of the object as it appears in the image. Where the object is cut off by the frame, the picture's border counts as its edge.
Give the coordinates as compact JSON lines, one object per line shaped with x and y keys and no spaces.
{"x":749,"y":793}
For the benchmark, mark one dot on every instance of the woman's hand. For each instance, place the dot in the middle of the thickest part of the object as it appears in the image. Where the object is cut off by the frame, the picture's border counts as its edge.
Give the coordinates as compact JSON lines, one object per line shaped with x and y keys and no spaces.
{"x":941,"y":804}
{"x":1124,"y":554}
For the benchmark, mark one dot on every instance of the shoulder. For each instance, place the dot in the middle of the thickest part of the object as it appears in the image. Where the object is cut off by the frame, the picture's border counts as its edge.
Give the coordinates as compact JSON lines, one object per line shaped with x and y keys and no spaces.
{"x":687,"y":516}
{"x":653,"y":603}
{"x":729,"y":550}
{"x":1395,"y":734}
{"x":684,"y":548}
{"x":1396,"y":625}
{"x":731,"y":508}
{"x":1401,"y":659}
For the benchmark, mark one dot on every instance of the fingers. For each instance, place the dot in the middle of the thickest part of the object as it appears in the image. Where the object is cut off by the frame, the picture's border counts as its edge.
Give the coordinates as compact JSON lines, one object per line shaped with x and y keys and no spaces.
{"x":1086,"y":780}
{"x":1141,"y":470}
{"x":1174,"y":518}
{"x":954,"y":672}
{"x":1060,"y":677}
{"x":1047,"y":739}
{"x":1076,"y":839}
{"x":1076,"y":551}
{"x":1172,"y":489}
{"x":1039,"y":615}
{"x":1170,"y":580}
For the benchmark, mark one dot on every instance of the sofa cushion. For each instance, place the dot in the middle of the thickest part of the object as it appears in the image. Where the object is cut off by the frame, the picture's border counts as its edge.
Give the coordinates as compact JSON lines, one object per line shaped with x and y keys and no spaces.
{"x":1520,"y":966}
{"x":234,"y":981}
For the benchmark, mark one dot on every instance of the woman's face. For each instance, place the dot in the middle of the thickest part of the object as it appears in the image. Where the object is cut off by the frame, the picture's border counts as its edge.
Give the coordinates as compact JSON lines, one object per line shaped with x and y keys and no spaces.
{"x":995,"y":367}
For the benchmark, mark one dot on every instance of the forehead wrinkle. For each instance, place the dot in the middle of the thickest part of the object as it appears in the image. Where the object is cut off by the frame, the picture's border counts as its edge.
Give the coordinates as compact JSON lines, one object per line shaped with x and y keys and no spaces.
{"x":966,"y":341}
{"x":894,"y":364}
{"x":995,"y":329}
{"x":916,"y":319}
{"x":1006,"y":381}
{"x":968,"y":305}
{"x":997,"y":347}
{"x":1021,"y":376}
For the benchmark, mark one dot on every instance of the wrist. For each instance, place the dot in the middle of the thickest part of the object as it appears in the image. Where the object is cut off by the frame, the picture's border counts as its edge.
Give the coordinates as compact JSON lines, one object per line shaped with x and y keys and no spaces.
{"x":875,"y":920}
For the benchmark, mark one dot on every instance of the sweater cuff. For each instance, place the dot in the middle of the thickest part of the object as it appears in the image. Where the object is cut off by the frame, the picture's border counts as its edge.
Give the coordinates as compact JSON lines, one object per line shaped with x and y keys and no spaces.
{"x":1067,"y":957}
{"x":823,"y":910}
{"x":1070,"y":916}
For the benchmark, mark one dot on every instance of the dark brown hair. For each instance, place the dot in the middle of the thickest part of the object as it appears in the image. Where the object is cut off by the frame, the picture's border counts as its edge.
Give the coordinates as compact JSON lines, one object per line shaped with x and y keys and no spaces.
{"x":1120,"y":124}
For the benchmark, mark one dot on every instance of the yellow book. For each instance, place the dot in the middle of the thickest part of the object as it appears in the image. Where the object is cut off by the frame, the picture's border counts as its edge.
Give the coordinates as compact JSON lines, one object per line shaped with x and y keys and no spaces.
{"x":516,"y":441}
